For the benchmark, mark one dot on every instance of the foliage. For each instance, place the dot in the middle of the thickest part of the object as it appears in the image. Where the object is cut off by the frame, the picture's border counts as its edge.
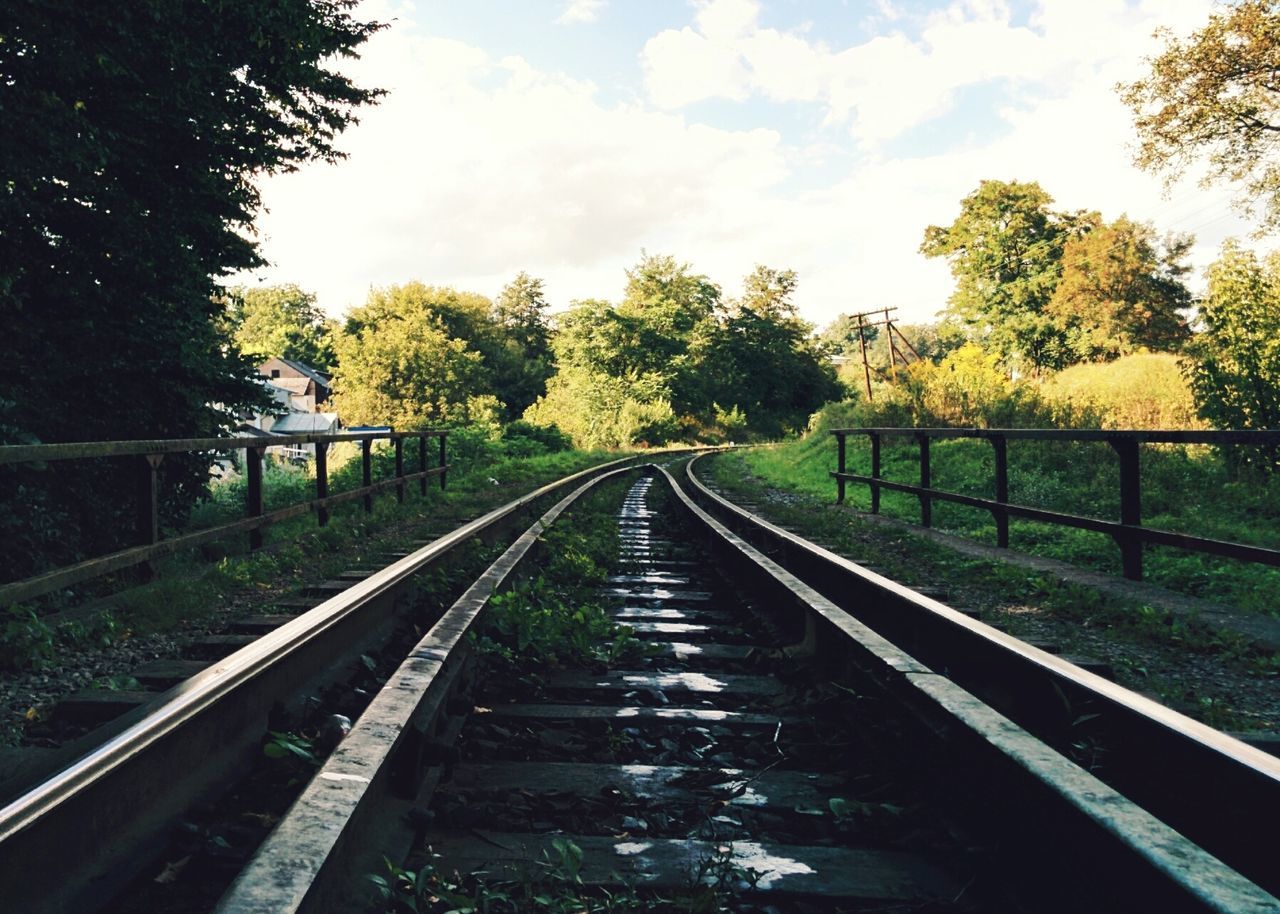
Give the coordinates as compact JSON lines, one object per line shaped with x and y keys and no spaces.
{"x":1005,"y":250}
{"x":521,"y":374}
{"x":133,"y":138}
{"x":281,"y":321}
{"x":1234,"y":367}
{"x":1044,"y":289}
{"x":1143,"y":390}
{"x":404,"y":359}
{"x":674,"y":362}
{"x":1121,"y":290}
{"x":1215,"y":94}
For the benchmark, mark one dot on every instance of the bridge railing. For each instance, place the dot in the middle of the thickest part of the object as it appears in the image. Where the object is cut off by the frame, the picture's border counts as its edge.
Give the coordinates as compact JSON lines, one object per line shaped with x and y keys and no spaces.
{"x":1128,"y":532}
{"x":151,"y":453}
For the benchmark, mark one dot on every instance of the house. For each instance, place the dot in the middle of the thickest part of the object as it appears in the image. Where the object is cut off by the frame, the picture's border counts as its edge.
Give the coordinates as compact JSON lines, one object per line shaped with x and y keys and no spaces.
{"x":307,"y":388}
{"x":297,"y":423}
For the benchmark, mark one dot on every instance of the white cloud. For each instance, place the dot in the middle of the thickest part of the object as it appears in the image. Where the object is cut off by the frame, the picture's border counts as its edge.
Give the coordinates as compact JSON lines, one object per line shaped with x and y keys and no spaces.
{"x":580,"y":11}
{"x":476,"y":167}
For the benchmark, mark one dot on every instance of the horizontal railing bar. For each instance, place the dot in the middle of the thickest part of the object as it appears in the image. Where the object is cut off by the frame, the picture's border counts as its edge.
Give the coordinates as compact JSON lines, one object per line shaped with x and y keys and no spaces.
{"x":31,"y":453}
{"x":1156,"y":436}
{"x":70,"y":575}
{"x":1244,"y":551}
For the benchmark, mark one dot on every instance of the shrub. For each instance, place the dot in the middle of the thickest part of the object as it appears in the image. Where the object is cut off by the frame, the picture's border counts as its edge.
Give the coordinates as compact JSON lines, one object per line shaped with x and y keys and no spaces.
{"x":1144,"y":390}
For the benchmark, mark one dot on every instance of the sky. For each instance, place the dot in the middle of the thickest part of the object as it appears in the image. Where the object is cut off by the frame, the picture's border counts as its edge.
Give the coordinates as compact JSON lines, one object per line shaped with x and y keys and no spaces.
{"x":566,"y":137}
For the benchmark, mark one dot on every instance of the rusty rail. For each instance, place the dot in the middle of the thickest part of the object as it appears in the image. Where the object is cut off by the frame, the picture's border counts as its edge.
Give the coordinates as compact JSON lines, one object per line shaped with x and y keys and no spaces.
{"x":1128,"y":532}
{"x":151,"y":454}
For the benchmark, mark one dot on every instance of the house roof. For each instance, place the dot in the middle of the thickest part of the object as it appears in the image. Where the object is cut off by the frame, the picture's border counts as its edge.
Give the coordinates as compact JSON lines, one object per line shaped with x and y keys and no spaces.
{"x":292,"y":385}
{"x":304,"y":423}
{"x":308,"y":371}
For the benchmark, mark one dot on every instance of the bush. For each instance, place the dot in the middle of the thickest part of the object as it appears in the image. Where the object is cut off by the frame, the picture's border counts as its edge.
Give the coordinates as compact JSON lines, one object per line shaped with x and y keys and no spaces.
{"x":1144,"y":390}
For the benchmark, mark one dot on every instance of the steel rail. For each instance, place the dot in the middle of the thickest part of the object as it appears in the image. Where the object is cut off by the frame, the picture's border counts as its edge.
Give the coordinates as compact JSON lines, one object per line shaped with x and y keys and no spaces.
{"x":313,"y":859}
{"x":1188,"y":876}
{"x":104,"y":808}
{"x":1202,"y":782}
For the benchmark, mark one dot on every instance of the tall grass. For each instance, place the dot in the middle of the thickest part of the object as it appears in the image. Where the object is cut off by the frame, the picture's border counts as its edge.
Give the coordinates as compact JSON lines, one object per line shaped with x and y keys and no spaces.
{"x":1186,"y":489}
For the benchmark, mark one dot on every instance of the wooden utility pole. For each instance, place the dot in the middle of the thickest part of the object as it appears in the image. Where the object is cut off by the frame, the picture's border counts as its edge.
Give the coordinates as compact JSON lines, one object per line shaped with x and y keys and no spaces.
{"x":866,"y":365}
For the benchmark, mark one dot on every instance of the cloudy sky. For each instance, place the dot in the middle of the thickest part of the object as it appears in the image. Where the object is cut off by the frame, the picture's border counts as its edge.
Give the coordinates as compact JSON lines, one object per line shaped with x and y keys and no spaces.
{"x":563,"y":137}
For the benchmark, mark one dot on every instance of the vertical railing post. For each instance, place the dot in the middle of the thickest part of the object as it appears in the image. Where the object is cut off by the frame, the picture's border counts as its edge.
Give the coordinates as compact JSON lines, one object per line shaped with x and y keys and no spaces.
{"x":366,"y":472}
{"x":149,"y":499}
{"x":400,"y":470}
{"x":840,"y":467}
{"x":322,"y":480}
{"x":1130,"y":505}
{"x":875,"y":472}
{"x":1001,"y":446}
{"x":422,"y":464}
{"x":253,"y":493}
{"x":926,"y":503}
{"x":443,"y":461}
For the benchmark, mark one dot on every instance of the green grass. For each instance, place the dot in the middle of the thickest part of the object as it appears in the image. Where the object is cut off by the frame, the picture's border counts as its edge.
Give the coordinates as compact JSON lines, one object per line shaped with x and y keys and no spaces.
{"x":1007,"y":589}
{"x":192,"y":585}
{"x":1184,"y":489}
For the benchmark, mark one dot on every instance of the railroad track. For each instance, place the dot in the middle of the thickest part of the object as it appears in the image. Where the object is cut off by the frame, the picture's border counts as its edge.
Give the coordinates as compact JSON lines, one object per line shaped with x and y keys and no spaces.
{"x":762,"y":739}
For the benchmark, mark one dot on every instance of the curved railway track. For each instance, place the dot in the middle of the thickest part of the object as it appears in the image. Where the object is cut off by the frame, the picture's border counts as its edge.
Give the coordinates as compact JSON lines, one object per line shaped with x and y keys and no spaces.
{"x":799,"y":734}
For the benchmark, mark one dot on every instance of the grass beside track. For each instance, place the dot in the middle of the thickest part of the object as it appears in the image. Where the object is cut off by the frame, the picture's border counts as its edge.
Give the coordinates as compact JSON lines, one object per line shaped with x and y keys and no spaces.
{"x":1185,"y":489}
{"x":1210,"y":676}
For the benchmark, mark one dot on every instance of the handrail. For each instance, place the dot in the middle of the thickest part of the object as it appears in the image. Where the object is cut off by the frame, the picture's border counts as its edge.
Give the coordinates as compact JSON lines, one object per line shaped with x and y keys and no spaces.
{"x":1128,"y":532}
{"x":152,"y":453}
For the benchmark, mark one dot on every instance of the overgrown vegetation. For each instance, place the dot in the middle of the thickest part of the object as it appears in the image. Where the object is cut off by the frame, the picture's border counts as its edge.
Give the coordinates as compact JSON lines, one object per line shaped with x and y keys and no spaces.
{"x":1020,"y":597}
{"x":487,"y":471}
{"x":1185,"y":489}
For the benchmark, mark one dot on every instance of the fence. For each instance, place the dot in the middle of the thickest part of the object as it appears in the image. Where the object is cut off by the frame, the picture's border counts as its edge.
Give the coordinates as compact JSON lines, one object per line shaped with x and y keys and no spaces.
{"x":1128,"y":532}
{"x":150,"y":455}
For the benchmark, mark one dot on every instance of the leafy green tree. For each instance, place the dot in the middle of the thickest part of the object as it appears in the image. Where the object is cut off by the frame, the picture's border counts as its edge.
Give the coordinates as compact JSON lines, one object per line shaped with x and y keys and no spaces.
{"x":762,"y":360}
{"x":1234,"y":364}
{"x":131,"y":139}
{"x":527,"y":361}
{"x":1216,"y":95}
{"x":1005,"y":250}
{"x":401,"y":363}
{"x":281,"y":321}
{"x":1121,"y":290}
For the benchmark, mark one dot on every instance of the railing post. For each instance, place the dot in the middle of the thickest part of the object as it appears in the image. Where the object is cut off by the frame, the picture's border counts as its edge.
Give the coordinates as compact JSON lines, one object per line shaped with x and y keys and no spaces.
{"x":1001,"y":446}
{"x":1130,"y":505}
{"x":366,"y":472}
{"x":875,"y":472}
{"x":840,"y":467}
{"x":926,"y":503}
{"x":322,"y":480}
{"x":400,"y":470}
{"x":443,"y":463}
{"x":149,"y":499}
{"x":422,"y":463}
{"x":253,"y":494}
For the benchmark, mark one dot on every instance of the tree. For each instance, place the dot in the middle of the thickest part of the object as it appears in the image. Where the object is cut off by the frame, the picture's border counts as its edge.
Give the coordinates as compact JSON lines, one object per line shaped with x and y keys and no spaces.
{"x":283,"y":321}
{"x":1005,"y":250}
{"x":131,"y":139}
{"x":521,"y":313}
{"x":1121,"y":290}
{"x":401,"y":363}
{"x":1216,"y":95}
{"x":1234,"y":364}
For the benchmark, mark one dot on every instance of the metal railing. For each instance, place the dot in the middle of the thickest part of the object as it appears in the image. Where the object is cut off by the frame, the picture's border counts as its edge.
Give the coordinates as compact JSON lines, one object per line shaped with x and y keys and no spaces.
{"x":1128,"y":532}
{"x":151,"y":453}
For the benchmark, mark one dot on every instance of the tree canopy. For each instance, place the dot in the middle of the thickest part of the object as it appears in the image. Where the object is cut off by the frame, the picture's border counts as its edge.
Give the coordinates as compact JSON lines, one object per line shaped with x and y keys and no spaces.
{"x":131,"y":139}
{"x":1235,"y":365}
{"x":1045,"y":289}
{"x":1215,"y":95}
{"x":281,"y":321}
